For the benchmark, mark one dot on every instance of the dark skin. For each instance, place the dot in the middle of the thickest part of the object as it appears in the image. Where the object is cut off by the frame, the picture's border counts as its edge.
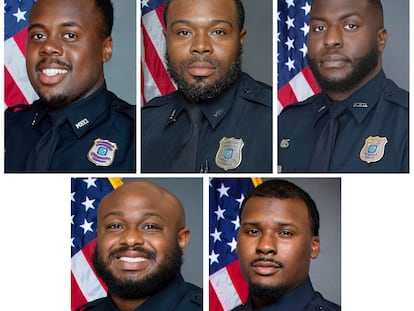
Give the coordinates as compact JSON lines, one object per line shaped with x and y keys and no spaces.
{"x":206,"y":28}
{"x":139,"y":214}
{"x":275,"y":244}
{"x":66,"y":50}
{"x":341,"y":33}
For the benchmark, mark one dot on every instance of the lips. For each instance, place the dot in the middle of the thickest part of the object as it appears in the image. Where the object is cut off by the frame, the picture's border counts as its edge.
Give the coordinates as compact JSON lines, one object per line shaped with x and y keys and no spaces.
{"x":333,"y":61}
{"x":52,"y":72}
{"x":201,"y":69}
{"x":266,"y":267}
{"x":132,"y":261}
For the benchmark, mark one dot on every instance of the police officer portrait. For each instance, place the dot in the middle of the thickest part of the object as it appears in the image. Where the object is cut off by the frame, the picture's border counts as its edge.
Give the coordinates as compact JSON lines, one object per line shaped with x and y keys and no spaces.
{"x":355,"y":64}
{"x":71,"y":121}
{"x":216,"y":117}
{"x":144,"y":255}
{"x":282,"y":226}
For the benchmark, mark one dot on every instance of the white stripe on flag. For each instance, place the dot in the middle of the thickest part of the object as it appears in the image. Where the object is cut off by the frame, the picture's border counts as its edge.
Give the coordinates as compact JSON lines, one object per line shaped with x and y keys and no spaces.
{"x":85,"y":277}
{"x":16,"y":64}
{"x":301,"y":87}
{"x":154,"y":28}
{"x":224,"y":288}
{"x":150,"y":88}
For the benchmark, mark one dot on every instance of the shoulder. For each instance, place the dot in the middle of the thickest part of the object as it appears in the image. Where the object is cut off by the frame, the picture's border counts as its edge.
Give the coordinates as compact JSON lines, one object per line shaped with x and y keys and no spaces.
{"x":395,"y":95}
{"x":256,"y":91}
{"x":122,"y":107}
{"x":19,"y":110}
{"x":98,"y":304}
{"x":194,"y":295}
{"x":308,"y":106}
{"x":320,"y":303}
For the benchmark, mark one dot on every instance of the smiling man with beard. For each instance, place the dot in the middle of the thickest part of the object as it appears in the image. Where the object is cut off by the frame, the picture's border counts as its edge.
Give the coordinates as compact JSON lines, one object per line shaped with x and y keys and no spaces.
{"x":77,"y":124}
{"x":359,"y":122}
{"x":219,"y":119}
{"x":141,"y":237}
{"x":278,"y":236}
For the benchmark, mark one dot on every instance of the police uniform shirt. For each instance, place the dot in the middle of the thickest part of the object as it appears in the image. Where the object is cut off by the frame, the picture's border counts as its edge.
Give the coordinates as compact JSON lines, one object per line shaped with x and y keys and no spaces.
{"x":372,"y":136}
{"x":235,"y":136}
{"x":98,"y":135}
{"x":302,"y":298}
{"x":177,"y":296}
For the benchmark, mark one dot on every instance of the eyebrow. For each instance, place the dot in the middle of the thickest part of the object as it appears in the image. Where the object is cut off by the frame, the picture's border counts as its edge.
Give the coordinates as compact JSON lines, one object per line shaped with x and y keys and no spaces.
{"x":212,"y":22}
{"x":65,"y":24}
{"x":279,"y":223}
{"x":346,"y":15}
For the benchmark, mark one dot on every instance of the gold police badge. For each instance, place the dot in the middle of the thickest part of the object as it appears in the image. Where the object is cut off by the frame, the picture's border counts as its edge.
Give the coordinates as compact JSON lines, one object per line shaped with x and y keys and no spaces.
{"x":229,"y":154}
{"x":102,"y":152}
{"x":373,"y":149}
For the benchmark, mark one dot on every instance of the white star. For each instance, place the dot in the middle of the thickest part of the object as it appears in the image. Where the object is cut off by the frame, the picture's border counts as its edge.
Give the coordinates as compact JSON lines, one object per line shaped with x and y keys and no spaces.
{"x":72,"y":196}
{"x":290,"y":64}
{"x":236,"y":223}
{"x":219,"y":212}
{"x":216,"y":235}
{"x":305,"y":29}
{"x":213,"y":257}
{"x":240,"y":200}
{"x":88,"y":204}
{"x":144,"y":3}
{"x":72,"y":217}
{"x":87,"y":226}
{"x":306,"y":8}
{"x":304,"y":50}
{"x":289,"y":22}
{"x":20,"y":15}
{"x":289,"y":43}
{"x":290,"y":3}
{"x":232,"y":244}
{"x":72,"y":239}
{"x":223,"y":190}
{"x":277,"y":37}
{"x":278,"y":16}
{"x":90,"y":182}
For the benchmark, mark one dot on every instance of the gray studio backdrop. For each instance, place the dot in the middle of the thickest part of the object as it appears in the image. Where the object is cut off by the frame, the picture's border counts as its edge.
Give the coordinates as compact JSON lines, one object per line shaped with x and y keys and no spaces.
{"x":325,"y":272}
{"x":190,"y":193}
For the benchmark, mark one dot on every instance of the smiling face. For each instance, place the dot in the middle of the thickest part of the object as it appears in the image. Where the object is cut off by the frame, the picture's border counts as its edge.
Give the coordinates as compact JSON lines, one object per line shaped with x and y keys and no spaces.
{"x":141,"y":238}
{"x":204,"y":45}
{"x":66,"y":50}
{"x":346,"y":39}
{"x":275,"y":245}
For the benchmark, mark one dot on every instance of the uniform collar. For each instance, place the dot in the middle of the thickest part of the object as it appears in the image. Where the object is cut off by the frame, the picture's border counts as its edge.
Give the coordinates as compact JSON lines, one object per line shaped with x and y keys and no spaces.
{"x":81,"y":114}
{"x":359,"y":103}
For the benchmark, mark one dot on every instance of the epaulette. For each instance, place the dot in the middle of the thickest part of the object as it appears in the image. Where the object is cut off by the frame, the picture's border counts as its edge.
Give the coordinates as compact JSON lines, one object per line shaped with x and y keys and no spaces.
{"x":196,"y":298}
{"x":396,"y":95}
{"x":122,"y":106}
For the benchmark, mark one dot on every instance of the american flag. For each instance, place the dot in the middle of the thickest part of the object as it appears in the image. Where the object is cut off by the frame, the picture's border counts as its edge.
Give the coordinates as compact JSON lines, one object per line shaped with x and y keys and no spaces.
{"x":17,"y":88}
{"x":86,"y":194}
{"x":228,"y":288}
{"x":295,"y":79}
{"x":155,"y":79}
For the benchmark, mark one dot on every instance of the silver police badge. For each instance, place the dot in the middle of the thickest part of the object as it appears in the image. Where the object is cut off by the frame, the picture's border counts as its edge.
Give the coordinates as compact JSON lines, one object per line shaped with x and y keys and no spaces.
{"x":102,"y":152}
{"x":229,"y":154}
{"x":373,"y":149}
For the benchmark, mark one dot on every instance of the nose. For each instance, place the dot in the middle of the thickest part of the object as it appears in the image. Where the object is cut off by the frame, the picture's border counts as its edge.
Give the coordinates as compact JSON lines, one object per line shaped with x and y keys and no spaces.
{"x":201,"y":44}
{"x":266,"y":244}
{"x":333,"y":37}
{"x":132,"y":237}
{"x":52,"y":46}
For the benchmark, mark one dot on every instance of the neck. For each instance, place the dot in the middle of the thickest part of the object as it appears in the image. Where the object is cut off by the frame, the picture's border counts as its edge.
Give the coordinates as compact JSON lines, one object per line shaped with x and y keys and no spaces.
{"x":127,"y":305}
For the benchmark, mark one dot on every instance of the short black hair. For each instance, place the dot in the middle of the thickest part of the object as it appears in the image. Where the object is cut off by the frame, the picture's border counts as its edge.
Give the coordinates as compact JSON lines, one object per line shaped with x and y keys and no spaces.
{"x":376,"y":3}
{"x":239,"y":6}
{"x":283,"y":189}
{"x":106,"y":9}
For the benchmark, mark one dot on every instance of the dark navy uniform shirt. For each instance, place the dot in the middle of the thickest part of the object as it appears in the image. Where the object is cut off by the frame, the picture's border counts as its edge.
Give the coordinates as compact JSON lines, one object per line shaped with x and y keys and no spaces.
{"x":372,"y":137}
{"x":92,"y":127}
{"x":178,"y":296}
{"x":240,"y":118}
{"x":302,"y":298}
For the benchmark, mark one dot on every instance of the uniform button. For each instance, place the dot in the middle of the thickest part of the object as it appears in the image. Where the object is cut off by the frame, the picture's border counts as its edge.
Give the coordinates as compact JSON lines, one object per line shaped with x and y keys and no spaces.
{"x":392,"y":93}
{"x":246,"y":90}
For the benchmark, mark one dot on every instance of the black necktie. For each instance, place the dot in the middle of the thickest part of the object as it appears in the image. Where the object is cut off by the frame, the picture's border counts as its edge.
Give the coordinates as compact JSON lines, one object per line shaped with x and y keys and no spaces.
{"x":325,"y":143}
{"x":41,"y":155}
{"x":186,"y":161}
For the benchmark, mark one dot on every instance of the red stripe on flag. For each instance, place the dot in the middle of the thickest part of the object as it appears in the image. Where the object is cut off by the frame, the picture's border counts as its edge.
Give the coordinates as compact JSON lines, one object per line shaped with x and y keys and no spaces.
{"x":286,"y":95}
{"x":12,"y":94}
{"x":77,"y":296}
{"x":87,"y":251}
{"x":156,"y":66}
{"x":215,"y":303}
{"x":21,"y":38}
{"x":307,"y":73}
{"x":238,"y":280}
{"x":160,"y":11}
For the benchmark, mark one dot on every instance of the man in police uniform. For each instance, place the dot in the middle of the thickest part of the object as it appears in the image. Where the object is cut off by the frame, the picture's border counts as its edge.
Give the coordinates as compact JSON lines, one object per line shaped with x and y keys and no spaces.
{"x":77,"y":125}
{"x":278,"y":236}
{"x":220,"y":119}
{"x":141,"y":237}
{"x":359,"y":123}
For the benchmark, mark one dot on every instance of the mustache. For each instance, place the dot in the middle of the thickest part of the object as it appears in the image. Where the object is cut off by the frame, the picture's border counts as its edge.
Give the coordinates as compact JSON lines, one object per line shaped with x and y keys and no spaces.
{"x":52,"y":60}
{"x":266,"y":259}
{"x":200,"y":59}
{"x":118,"y":252}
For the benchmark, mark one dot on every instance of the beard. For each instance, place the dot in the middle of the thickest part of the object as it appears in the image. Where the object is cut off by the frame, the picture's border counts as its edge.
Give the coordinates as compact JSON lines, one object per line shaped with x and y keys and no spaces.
{"x":362,"y":68}
{"x":131,"y":289}
{"x":270,"y":294}
{"x":199,"y":90}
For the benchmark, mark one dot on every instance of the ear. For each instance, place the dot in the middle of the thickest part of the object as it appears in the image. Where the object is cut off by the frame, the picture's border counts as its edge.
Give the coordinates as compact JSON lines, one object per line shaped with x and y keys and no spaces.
{"x":315,"y":247}
{"x":243,"y":34}
{"x":107,"y":49}
{"x":382,"y":39}
{"x":183,"y":238}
